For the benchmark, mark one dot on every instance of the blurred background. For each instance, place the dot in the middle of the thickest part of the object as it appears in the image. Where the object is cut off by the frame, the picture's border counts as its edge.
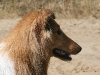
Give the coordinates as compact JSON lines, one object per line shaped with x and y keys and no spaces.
{"x":62,"y":8}
{"x":79,"y":19}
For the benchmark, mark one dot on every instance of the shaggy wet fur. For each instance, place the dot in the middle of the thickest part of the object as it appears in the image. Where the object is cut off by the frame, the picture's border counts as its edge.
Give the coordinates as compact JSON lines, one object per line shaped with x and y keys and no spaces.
{"x":30,"y":43}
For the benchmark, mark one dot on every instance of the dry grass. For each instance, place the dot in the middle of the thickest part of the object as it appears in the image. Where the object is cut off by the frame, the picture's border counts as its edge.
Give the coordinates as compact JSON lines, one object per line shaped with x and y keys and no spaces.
{"x":62,"y":8}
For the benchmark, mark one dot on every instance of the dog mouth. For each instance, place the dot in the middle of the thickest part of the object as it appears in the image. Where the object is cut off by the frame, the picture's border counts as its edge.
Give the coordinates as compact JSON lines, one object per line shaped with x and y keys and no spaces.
{"x":61,"y":54}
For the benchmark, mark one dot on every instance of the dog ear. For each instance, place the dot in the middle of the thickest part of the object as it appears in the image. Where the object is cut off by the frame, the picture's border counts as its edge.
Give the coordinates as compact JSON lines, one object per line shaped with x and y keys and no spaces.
{"x":49,"y":17}
{"x":48,"y":13}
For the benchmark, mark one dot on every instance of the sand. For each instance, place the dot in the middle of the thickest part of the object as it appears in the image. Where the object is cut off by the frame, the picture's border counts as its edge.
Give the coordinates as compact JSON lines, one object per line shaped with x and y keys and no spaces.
{"x":86,"y":32}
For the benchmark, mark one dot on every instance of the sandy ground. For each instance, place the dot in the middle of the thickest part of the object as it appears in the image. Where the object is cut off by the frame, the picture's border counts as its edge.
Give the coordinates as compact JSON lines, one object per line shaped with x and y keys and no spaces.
{"x":86,"y":32}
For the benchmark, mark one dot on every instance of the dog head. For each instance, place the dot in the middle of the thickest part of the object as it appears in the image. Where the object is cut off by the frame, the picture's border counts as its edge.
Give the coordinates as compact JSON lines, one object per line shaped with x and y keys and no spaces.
{"x":43,"y":34}
{"x":53,"y":38}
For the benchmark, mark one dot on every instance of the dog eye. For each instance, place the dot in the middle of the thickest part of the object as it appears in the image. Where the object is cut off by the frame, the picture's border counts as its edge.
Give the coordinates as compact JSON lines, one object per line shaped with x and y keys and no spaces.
{"x":58,"y":32}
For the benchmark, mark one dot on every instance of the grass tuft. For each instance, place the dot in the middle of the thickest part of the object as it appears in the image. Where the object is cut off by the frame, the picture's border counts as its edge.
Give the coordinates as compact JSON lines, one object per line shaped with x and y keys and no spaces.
{"x":62,"y":8}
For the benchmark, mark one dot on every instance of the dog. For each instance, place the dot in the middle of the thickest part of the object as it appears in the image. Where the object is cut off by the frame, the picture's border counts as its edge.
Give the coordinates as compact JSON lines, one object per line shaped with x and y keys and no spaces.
{"x":32,"y":42}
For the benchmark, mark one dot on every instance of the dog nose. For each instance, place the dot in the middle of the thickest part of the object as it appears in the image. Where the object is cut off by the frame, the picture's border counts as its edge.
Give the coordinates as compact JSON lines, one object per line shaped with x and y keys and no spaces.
{"x":79,"y":49}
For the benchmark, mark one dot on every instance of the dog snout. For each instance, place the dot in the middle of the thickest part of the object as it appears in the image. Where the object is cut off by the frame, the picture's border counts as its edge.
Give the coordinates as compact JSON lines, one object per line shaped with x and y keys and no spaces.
{"x":79,"y":49}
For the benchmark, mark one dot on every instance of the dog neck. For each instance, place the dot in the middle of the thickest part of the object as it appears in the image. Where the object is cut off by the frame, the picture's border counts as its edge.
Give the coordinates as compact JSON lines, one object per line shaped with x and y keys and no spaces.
{"x":27,"y":62}
{"x":28,"y":59}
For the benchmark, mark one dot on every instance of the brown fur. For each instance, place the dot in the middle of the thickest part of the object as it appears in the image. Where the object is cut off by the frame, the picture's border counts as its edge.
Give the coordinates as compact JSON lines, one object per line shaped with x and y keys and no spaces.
{"x":31,"y":42}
